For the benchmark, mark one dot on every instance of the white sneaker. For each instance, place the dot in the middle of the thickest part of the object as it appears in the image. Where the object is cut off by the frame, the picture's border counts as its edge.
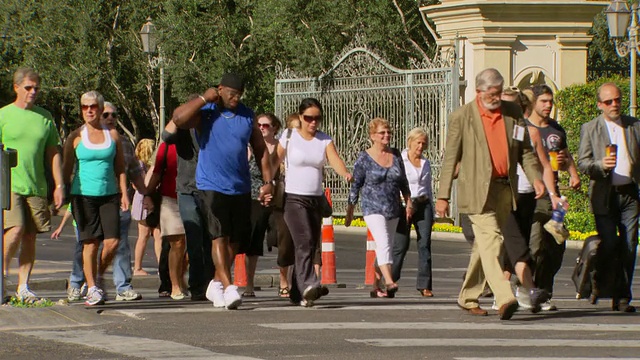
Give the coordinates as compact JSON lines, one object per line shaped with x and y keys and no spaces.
{"x":232,"y":298}
{"x":548,"y":306}
{"x":128,"y":295}
{"x":495,"y":306}
{"x":95,"y":297}
{"x":215,"y":294}
{"x":26,"y":295}
{"x":74,"y":294}
{"x":524,"y":300}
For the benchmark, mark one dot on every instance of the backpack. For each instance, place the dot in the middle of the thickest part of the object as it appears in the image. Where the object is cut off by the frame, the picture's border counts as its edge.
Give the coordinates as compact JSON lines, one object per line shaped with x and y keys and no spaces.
{"x":585,"y":268}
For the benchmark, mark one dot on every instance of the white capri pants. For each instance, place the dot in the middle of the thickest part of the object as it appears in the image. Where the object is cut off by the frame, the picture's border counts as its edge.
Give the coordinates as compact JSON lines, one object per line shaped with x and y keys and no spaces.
{"x":383,"y":232}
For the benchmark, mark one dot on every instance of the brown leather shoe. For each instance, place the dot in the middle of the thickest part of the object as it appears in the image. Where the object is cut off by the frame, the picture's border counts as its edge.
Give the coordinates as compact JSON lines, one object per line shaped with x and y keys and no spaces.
{"x":426,"y":293}
{"x":507,"y":310}
{"x":475,"y":311}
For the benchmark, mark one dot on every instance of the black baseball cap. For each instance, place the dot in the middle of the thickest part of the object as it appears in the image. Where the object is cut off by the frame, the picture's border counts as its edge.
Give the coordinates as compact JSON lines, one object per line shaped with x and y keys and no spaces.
{"x":233,"y":81}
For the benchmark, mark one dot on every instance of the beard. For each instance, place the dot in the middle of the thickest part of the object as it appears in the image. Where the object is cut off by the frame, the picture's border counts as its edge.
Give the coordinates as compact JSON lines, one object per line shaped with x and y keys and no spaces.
{"x":491,"y":105}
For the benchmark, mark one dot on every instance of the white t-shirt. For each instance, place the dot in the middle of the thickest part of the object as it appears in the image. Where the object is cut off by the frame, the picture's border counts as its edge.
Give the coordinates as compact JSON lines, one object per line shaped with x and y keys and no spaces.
{"x":419,"y":178}
{"x":304,"y":162}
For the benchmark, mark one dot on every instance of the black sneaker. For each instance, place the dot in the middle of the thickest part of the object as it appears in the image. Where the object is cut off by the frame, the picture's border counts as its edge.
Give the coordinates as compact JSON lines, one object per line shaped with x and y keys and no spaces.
{"x":538,"y":297}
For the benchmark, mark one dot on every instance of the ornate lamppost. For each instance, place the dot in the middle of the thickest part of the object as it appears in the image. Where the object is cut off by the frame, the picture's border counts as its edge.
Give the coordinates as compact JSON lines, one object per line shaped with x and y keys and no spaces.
{"x":150,"y":46}
{"x":618,"y":16}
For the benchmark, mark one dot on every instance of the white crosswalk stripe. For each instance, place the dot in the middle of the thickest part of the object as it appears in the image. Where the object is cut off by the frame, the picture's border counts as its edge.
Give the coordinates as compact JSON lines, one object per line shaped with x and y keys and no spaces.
{"x":488,"y":342}
{"x":133,"y":346}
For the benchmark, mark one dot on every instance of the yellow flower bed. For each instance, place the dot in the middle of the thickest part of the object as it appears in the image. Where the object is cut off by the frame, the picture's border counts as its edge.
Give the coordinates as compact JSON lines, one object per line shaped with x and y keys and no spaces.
{"x":359,"y":222}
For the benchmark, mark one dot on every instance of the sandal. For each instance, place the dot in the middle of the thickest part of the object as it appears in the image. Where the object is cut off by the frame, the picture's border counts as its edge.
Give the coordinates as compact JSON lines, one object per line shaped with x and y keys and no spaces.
{"x":164,"y":294}
{"x":378,"y":293}
{"x":248,"y":294}
{"x":283,"y":292}
{"x":391,"y":291}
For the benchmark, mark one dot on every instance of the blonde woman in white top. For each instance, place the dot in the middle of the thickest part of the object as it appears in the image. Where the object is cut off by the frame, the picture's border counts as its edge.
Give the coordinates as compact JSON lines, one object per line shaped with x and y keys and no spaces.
{"x":418,"y":170}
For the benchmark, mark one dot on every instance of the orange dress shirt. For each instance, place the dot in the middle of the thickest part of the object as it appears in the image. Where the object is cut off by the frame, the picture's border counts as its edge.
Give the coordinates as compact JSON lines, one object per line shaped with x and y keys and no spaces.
{"x":496,"y":133}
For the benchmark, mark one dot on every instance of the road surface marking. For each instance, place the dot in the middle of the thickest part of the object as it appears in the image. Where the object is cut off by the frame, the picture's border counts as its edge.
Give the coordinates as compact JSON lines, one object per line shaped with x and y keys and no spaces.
{"x":485,"y":342}
{"x":132,"y":346}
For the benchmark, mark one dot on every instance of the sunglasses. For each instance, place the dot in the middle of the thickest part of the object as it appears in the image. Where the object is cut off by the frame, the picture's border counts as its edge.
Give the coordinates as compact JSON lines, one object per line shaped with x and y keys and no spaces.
{"x":264,"y":125}
{"x":611,"y":101}
{"x":309,"y":118}
{"x":106,"y":114}
{"x":384,"y":132}
{"x":34,"y":88}
{"x":92,"y":107}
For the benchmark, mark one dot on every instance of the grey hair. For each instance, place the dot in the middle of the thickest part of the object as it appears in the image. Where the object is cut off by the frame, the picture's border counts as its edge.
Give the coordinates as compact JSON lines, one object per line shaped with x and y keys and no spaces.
{"x":25,"y":73}
{"x":414,"y":134}
{"x":489,"y":78}
{"x":110,"y":105}
{"x":93,"y":95}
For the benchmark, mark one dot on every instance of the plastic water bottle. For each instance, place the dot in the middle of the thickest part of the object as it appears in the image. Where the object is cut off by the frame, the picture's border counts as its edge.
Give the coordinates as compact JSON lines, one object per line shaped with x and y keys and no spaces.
{"x":560,"y":211}
{"x":555,"y":226}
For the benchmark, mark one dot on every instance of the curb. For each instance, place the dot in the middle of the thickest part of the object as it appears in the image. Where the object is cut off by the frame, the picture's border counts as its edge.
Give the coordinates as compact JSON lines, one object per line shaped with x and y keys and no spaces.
{"x":139,"y":282}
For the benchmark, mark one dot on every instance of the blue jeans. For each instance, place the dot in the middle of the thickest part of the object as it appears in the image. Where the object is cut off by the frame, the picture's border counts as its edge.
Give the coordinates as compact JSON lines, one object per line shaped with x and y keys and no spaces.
{"x":201,"y":267}
{"x":422,"y":219}
{"x":121,"y":261}
{"x":77,"y":274}
{"x":615,"y":250}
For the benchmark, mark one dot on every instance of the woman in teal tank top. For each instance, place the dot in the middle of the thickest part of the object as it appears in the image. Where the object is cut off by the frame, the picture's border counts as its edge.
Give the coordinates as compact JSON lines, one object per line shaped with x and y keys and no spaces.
{"x":98,"y":190}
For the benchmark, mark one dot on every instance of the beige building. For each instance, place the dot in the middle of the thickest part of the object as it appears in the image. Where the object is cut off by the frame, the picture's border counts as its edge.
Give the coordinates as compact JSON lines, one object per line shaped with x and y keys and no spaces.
{"x":528,"y":41}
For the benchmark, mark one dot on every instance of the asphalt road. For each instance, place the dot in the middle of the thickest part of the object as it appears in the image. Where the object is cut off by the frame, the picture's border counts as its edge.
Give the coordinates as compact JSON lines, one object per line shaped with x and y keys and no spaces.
{"x":347,"y":324}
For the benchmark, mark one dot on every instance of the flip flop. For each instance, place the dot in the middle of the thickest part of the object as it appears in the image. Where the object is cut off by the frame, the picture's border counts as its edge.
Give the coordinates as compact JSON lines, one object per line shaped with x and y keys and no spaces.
{"x":249,"y":294}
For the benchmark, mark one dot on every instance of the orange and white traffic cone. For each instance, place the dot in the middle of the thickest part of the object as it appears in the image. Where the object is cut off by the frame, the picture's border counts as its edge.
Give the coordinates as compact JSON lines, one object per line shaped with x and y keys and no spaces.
{"x":328,"y":247}
{"x":239,"y":271}
{"x":369,"y":270}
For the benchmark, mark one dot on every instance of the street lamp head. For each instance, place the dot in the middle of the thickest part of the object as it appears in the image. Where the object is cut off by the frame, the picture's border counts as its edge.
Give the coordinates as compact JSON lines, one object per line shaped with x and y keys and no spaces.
{"x":618,"y":15}
{"x":149,"y":37}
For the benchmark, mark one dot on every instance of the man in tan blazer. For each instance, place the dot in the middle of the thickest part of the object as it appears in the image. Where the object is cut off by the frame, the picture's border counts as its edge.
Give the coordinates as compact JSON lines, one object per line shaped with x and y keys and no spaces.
{"x":613,"y":191}
{"x":487,"y":137}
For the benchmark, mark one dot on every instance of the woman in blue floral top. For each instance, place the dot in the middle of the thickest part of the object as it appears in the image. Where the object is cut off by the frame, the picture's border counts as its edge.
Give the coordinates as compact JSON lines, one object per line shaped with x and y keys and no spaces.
{"x":379,"y":173}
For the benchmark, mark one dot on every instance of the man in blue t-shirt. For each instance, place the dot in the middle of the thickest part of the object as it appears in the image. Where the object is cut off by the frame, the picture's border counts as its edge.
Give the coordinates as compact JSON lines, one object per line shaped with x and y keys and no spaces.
{"x":225,"y":128}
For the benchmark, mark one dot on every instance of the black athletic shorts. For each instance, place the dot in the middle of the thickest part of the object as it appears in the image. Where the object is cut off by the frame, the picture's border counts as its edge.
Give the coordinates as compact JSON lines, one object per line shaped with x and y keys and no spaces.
{"x":226,"y":215}
{"x":97,"y":217}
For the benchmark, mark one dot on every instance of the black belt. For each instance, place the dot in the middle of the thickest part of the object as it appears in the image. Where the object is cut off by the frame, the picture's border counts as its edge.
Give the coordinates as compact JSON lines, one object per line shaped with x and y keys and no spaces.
{"x":625,"y":188}
{"x":501,"y":180}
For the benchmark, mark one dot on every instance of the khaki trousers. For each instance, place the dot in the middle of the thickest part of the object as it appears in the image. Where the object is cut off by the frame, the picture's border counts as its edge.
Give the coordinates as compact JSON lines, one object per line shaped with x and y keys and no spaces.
{"x":484,"y":264}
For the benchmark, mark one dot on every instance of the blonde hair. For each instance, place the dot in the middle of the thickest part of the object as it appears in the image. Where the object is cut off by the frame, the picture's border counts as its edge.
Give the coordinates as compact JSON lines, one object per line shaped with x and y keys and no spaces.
{"x":293,"y":121}
{"x":414,"y":134}
{"x":144,"y":151}
{"x":375,"y":123}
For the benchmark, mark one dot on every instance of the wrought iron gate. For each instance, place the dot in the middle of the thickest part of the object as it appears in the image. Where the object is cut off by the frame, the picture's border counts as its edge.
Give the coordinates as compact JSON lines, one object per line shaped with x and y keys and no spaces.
{"x":361,"y":86}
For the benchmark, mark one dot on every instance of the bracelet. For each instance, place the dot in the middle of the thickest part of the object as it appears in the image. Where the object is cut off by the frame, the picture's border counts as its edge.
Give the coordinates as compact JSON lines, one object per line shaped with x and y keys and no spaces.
{"x":203,"y":99}
{"x":272,"y":182}
{"x":60,"y":186}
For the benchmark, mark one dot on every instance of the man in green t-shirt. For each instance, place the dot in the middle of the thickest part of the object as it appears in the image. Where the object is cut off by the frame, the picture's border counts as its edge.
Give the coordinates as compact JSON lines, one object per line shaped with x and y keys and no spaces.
{"x":31,"y":131}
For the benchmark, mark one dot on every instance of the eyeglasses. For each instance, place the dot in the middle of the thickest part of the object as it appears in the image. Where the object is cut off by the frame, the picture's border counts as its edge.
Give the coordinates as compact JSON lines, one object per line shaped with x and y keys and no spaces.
{"x":106,"y":114}
{"x":233,"y":93}
{"x":86,"y":107}
{"x":30,"y":87}
{"x":264,"y":125}
{"x":310,"y":118}
{"x":384,"y":132}
{"x":611,"y":101}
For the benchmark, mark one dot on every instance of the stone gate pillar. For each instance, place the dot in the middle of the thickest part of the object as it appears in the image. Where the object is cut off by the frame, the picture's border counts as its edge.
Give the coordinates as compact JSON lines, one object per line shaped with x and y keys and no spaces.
{"x":529,"y":42}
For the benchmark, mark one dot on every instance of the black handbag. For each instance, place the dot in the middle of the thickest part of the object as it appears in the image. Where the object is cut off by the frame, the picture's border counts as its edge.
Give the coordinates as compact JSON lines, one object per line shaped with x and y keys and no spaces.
{"x":325,"y":208}
{"x":153,"y":217}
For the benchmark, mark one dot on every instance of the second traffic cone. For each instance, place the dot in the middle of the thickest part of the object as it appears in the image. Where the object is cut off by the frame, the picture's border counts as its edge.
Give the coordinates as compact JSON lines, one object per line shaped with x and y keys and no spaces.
{"x":369,"y":270}
{"x":328,"y":248}
{"x":239,"y":271}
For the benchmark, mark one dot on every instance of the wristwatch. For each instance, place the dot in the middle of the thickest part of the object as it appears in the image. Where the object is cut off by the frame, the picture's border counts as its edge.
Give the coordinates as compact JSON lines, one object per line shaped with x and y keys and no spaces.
{"x":272,"y":182}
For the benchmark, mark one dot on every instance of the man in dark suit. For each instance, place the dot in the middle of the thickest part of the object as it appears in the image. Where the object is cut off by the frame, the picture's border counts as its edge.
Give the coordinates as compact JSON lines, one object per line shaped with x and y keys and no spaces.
{"x":487,"y":137}
{"x":613,"y":190}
